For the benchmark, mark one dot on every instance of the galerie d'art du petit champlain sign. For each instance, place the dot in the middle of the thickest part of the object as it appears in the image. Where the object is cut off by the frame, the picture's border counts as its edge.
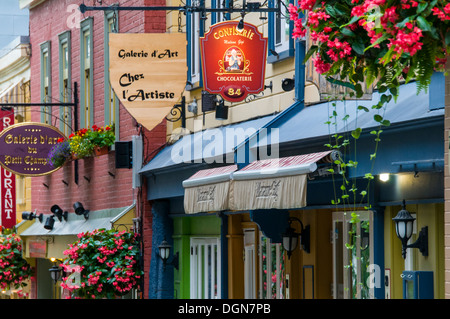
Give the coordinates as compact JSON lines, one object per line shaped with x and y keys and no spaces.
{"x":233,"y":61}
{"x":24,"y":148}
{"x":148,"y":73}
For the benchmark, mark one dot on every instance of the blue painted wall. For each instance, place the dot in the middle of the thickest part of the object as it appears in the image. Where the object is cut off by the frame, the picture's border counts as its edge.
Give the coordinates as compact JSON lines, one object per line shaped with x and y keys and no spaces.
{"x":161,"y":278}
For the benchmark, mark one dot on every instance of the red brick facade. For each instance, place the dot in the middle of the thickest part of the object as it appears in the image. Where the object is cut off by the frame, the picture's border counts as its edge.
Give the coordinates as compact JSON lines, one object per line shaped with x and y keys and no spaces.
{"x":100,"y":184}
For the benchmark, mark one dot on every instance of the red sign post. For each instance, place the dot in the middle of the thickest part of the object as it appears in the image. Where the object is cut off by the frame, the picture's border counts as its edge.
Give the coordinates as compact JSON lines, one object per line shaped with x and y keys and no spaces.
{"x":7,"y":181}
{"x":233,"y":61}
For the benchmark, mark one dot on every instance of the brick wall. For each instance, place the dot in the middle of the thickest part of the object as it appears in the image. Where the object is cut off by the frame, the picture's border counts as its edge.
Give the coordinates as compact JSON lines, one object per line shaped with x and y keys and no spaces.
{"x":100,"y":184}
{"x":447,"y":184}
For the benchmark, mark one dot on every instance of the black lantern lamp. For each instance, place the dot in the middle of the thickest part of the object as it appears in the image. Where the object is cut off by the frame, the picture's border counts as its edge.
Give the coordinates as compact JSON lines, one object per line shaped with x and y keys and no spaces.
{"x":58,"y":212}
{"x":164,"y":253}
{"x":404,"y":229}
{"x":31,"y":216}
{"x":55,"y":273}
{"x":79,"y":210}
{"x":291,"y":238}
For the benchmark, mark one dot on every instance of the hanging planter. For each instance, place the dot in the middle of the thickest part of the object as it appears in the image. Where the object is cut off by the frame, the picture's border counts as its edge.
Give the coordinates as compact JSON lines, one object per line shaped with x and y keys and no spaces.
{"x":14,"y":269}
{"x":86,"y":142}
{"x":375,"y":40}
{"x":106,"y":263}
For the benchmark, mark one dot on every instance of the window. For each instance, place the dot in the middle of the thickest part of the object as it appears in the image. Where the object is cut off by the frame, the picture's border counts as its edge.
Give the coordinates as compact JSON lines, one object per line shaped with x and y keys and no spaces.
{"x":195,"y":29}
{"x":281,"y":44}
{"x":352,"y":255}
{"x":86,"y":78}
{"x":111,"y":100}
{"x":46,"y":82}
{"x":65,"y":86}
{"x":205,"y":268}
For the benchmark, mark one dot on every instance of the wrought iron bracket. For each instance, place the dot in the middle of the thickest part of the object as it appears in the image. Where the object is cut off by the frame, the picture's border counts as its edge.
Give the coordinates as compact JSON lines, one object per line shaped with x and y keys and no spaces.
{"x":178,"y":112}
{"x":246,"y":8}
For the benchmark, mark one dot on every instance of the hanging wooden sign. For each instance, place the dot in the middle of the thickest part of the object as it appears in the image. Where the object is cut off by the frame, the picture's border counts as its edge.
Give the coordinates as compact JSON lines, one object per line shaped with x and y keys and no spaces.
{"x":25,"y":147}
{"x":233,"y":61}
{"x":148,"y":73}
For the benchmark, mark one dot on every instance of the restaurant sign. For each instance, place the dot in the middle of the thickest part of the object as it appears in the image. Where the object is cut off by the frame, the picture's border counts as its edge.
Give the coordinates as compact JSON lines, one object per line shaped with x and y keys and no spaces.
{"x":7,"y":181}
{"x":233,"y":61}
{"x":24,"y":148}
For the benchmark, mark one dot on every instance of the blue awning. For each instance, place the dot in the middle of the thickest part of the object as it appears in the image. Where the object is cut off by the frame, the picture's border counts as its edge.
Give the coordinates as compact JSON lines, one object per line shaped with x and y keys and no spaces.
{"x":295,"y":124}
{"x":209,"y":145}
{"x":310,"y":122}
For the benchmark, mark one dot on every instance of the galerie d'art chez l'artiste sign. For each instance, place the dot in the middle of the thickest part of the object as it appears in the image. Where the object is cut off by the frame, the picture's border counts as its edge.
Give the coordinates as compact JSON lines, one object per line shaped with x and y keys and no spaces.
{"x":148,"y":73}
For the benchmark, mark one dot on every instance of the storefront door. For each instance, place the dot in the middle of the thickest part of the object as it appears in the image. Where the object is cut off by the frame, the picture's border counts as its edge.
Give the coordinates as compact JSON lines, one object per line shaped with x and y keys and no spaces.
{"x":205,"y":268}
{"x":352,"y":254}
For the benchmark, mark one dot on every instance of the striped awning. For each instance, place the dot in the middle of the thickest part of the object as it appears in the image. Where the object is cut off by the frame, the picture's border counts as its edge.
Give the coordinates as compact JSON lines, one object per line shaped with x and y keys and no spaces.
{"x":208,"y":189}
{"x":278,"y":183}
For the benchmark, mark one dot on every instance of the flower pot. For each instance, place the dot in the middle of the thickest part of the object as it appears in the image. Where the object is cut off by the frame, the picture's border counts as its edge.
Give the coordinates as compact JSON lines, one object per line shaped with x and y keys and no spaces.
{"x":101,"y":150}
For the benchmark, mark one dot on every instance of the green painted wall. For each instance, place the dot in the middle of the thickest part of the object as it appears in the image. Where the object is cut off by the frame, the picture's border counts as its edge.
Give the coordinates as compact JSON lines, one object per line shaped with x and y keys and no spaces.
{"x":183,"y":229}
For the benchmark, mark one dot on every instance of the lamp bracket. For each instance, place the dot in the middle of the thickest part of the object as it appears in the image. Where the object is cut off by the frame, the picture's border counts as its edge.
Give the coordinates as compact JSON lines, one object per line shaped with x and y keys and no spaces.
{"x":305,"y":234}
{"x":422,"y":242}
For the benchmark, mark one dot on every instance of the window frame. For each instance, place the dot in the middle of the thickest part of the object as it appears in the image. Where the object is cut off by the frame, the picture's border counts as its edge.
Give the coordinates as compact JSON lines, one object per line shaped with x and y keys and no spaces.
{"x":196,"y":81}
{"x":65,"y":40}
{"x":46,"y":71}
{"x":108,"y":16}
{"x":288,"y":48}
{"x":86,"y":25}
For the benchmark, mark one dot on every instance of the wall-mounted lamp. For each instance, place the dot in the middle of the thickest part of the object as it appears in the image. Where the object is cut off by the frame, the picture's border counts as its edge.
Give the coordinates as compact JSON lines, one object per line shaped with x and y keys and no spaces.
{"x":164,"y":253}
{"x":55,"y":273}
{"x":31,"y":216}
{"x":287,"y":84}
{"x":290,"y":237}
{"x":49,"y":222}
{"x":193,"y":107}
{"x":404,"y":228}
{"x":384,"y":177}
{"x":58,"y":212}
{"x":221,"y":110}
{"x":79,"y":210}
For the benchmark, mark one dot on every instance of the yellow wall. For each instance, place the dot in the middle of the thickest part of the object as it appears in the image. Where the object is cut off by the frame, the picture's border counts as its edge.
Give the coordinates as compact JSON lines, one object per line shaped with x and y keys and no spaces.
{"x":272,"y":102}
{"x":431,"y":215}
{"x":320,"y":256}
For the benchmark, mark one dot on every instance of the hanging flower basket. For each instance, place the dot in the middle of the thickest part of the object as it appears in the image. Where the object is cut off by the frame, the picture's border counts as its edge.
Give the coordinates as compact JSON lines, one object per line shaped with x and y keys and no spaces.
{"x":376,"y":41}
{"x":59,"y":154}
{"x":14,"y":269}
{"x":106,"y":263}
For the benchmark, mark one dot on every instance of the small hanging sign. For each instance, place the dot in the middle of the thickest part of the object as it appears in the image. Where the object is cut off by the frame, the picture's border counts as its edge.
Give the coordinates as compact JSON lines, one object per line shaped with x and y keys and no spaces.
{"x":233,"y":61}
